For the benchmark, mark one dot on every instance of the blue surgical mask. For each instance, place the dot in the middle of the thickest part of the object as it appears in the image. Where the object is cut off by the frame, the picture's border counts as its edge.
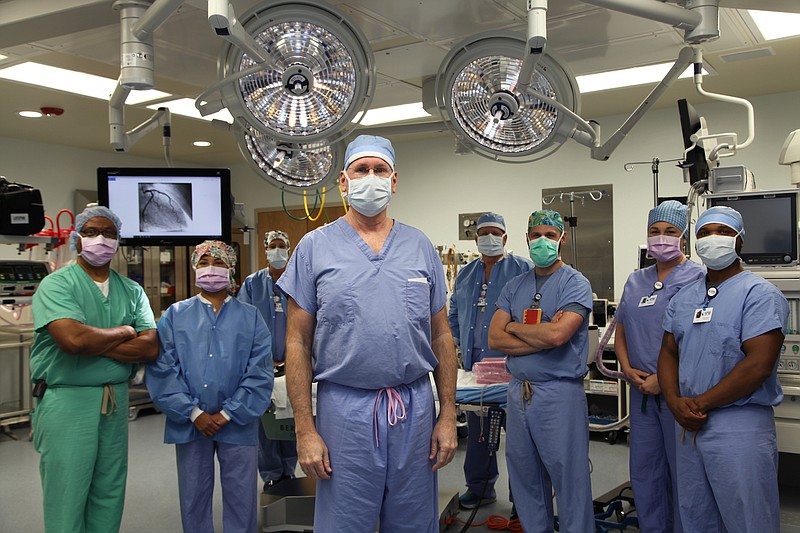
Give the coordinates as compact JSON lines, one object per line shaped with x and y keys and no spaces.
{"x":278,"y":257}
{"x":544,"y":251}
{"x":490,"y":245}
{"x":717,"y":251}
{"x":369,"y":195}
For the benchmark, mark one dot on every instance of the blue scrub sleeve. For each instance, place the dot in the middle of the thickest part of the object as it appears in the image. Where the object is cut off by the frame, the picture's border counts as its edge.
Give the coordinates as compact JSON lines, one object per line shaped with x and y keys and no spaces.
{"x":55,"y":300}
{"x":165,"y":378}
{"x":438,"y":284}
{"x":244,"y":292}
{"x":504,"y":300}
{"x":763,"y":313}
{"x":298,"y":282}
{"x":452,"y":316}
{"x":669,"y":314}
{"x":251,"y":398}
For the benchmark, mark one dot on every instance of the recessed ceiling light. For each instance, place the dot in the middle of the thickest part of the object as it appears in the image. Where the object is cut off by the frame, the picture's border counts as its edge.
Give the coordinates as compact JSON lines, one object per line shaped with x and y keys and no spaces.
{"x":775,"y":24}
{"x":628,"y":77}
{"x":395,"y":113}
{"x":201,"y":144}
{"x":72,"y":81}
{"x":3,"y":56}
{"x":30,"y":114}
{"x":185,"y":107}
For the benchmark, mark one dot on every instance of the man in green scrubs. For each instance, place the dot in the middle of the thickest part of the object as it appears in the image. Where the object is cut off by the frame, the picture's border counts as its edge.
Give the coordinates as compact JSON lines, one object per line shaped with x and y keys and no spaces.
{"x":91,"y":328}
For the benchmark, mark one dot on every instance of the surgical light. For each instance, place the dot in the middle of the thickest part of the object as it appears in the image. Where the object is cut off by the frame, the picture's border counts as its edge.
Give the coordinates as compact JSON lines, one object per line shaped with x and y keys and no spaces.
{"x":478,"y":90}
{"x":290,"y":166}
{"x":314,"y":74}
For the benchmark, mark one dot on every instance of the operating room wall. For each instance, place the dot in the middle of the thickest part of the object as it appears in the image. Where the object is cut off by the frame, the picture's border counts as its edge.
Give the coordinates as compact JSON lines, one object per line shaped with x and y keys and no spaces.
{"x":435,"y":184}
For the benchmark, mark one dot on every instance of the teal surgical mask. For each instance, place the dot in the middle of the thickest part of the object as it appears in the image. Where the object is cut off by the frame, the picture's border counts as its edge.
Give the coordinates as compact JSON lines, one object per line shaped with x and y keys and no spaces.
{"x":544,"y":251}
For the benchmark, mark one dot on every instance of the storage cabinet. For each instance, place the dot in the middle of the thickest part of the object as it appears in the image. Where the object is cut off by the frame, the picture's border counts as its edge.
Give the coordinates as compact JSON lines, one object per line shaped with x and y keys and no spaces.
{"x":163,"y":272}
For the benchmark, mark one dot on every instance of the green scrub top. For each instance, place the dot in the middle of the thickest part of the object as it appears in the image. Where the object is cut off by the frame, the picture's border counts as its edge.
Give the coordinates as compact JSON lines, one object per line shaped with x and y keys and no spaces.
{"x":71,"y":293}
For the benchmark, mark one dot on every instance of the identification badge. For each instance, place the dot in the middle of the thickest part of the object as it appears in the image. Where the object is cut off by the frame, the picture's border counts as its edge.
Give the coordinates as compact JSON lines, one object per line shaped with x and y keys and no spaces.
{"x":703,"y":315}
{"x":278,"y":304}
{"x":532,"y":316}
{"x":648,"y":301}
{"x":481,"y":301}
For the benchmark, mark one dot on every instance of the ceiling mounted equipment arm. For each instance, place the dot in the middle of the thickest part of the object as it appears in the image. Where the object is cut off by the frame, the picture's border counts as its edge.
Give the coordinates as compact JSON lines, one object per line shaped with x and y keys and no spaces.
{"x":121,"y":140}
{"x":223,"y":20}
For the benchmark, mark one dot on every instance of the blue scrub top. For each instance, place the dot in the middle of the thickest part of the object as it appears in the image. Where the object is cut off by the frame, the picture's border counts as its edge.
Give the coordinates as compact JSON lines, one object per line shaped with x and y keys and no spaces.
{"x":260,"y":290}
{"x":643,"y":333}
{"x":214,"y":361}
{"x":745,"y":307}
{"x":565,"y":286}
{"x":373,"y":311}
{"x":464,"y":308}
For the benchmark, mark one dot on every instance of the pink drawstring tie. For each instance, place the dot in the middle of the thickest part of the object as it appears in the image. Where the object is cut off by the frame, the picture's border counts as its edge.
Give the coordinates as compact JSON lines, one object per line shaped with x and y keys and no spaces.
{"x":394,"y":406}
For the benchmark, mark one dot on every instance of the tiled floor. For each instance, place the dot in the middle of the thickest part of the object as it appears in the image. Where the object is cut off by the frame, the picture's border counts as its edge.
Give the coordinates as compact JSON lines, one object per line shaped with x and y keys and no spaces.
{"x":152,"y":494}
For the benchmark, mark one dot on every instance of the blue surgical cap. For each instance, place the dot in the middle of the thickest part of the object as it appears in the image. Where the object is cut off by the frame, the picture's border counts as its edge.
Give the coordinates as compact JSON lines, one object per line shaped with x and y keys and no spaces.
{"x":491,"y":219}
{"x":671,"y":212}
{"x":721,"y":214}
{"x":86,"y":215}
{"x":369,"y":146}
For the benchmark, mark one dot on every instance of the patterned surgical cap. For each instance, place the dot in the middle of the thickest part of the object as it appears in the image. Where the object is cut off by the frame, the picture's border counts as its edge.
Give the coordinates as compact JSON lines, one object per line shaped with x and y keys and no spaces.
{"x":671,"y":212}
{"x":546,"y":217}
{"x":276,"y":234}
{"x":215,"y":249}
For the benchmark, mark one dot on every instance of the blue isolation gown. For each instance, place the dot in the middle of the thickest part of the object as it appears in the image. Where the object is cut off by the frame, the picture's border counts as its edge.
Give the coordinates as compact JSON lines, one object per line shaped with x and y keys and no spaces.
{"x":215,"y":362}
{"x":652,"y":439}
{"x":727,"y":477}
{"x":373,"y":331}
{"x":277,"y":459}
{"x":547,"y":441}
{"x":471,"y":309}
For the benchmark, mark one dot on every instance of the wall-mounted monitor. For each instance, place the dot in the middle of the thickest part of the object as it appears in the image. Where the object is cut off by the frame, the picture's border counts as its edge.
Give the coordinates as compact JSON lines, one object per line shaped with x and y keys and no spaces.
{"x":770,"y":223}
{"x":168,"y":206}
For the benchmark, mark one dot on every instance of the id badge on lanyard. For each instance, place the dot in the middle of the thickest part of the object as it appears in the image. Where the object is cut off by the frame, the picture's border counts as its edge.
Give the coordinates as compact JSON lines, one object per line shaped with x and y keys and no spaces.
{"x":649,"y":301}
{"x":534,"y":314}
{"x":278,"y":304}
{"x":704,"y":313}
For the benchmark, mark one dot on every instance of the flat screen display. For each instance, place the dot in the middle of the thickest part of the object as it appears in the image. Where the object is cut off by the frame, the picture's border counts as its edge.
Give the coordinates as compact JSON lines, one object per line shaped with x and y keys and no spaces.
{"x":770,"y":223}
{"x":167,"y":206}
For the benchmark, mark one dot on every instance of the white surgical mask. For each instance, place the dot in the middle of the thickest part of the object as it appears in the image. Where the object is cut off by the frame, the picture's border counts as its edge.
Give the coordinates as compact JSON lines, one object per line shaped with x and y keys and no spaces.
{"x":717,"y":251}
{"x":278,"y":257}
{"x":490,"y":245}
{"x":369,"y":195}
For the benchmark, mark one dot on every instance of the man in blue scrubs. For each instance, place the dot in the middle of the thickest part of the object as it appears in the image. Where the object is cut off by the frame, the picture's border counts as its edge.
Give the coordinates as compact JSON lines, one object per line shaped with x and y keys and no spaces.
{"x":277,"y":459}
{"x":541,"y":322}
{"x":367,"y":322}
{"x":472,"y":305}
{"x":718,"y":372}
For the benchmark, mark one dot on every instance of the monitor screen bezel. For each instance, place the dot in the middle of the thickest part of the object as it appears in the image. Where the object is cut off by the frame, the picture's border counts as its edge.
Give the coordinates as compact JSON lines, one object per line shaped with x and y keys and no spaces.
{"x":168,"y":239}
{"x":765,"y":259}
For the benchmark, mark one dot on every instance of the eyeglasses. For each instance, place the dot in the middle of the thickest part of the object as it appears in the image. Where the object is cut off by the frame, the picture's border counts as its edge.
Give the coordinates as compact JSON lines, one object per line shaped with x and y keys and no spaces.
{"x":359,"y":171}
{"x":94,"y":232}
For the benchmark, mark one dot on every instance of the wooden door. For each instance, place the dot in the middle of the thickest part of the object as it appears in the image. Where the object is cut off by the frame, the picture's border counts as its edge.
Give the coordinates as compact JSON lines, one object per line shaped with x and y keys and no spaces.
{"x":270,"y":220}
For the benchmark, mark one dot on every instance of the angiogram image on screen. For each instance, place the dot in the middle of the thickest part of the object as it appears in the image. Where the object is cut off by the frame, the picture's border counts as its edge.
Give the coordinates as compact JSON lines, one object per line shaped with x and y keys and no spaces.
{"x":165,"y":206}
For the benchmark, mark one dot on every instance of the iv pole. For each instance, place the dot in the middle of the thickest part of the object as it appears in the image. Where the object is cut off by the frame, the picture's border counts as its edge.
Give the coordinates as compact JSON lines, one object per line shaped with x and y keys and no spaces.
{"x":572,"y":220}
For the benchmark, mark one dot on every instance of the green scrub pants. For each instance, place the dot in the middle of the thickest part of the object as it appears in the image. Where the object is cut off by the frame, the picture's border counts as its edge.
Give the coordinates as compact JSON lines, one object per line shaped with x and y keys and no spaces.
{"x":84,"y":458}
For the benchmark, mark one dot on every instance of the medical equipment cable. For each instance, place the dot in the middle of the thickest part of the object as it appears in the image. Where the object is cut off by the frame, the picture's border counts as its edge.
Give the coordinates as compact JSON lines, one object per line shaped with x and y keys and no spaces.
{"x":285,"y":210}
{"x":321,"y":207}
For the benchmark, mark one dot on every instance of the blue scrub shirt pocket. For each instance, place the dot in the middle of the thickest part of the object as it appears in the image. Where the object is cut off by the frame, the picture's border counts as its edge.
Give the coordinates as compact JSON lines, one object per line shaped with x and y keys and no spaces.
{"x":725,"y":344}
{"x":418,"y":300}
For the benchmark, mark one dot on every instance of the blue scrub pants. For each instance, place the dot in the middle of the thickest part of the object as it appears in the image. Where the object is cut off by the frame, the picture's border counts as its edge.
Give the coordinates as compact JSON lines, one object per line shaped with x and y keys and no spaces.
{"x":728,"y":479}
{"x":477,"y":461}
{"x":392,"y":482}
{"x":237,"y":473}
{"x":652,"y":465}
{"x":277,"y":459}
{"x":547,"y":446}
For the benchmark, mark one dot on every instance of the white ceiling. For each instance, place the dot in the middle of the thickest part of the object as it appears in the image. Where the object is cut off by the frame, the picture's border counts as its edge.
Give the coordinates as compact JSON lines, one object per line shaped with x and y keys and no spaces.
{"x":409,"y":40}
